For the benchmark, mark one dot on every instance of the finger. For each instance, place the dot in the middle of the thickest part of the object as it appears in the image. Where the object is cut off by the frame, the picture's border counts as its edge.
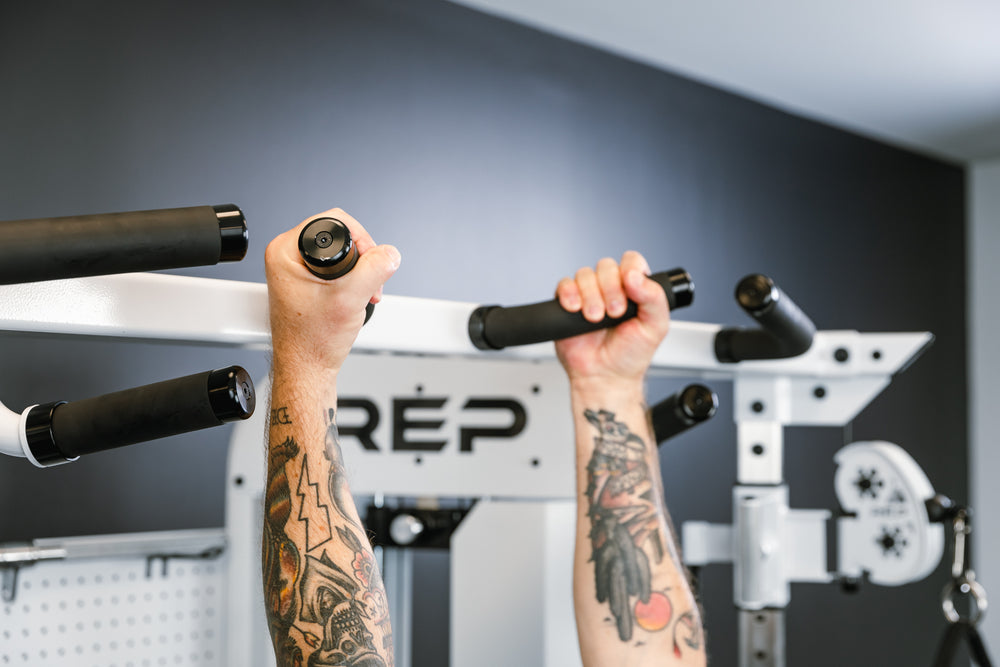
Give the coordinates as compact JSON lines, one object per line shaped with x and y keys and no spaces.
{"x":650,"y":298}
{"x":591,"y":299}
{"x":609,"y":278}
{"x":362,"y":239}
{"x":372,"y":270}
{"x":633,"y":260}
{"x":569,"y":295}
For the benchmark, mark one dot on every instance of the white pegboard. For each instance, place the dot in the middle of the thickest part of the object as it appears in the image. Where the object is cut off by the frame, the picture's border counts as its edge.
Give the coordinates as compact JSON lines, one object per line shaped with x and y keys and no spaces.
{"x":109,"y":613}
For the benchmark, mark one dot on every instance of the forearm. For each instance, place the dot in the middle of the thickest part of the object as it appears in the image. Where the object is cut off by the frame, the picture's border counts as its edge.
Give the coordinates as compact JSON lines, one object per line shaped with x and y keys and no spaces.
{"x":323,"y":592}
{"x":633,"y":602}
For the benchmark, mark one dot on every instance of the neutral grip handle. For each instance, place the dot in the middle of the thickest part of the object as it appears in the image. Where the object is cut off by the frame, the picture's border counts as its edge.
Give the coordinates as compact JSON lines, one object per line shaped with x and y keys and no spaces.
{"x":107,"y":243}
{"x":497,"y":327}
{"x":785,"y":330}
{"x":59,"y":432}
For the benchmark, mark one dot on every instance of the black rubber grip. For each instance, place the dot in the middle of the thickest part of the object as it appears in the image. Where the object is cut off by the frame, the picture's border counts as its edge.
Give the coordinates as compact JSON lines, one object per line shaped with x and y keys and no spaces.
{"x":785,"y":330}
{"x":92,"y":245}
{"x":497,"y":327}
{"x":58,"y":432}
{"x":689,"y":407}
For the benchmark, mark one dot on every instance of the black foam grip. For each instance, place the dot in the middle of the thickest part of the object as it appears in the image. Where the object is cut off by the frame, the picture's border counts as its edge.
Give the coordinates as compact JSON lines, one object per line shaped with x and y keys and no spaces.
{"x":497,"y":327}
{"x":91,"y":245}
{"x":785,"y":330}
{"x":152,"y":411}
{"x":677,"y":413}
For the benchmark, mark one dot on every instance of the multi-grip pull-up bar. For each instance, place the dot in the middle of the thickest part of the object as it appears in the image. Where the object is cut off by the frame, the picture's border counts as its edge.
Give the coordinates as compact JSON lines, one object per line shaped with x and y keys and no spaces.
{"x":89,"y":245}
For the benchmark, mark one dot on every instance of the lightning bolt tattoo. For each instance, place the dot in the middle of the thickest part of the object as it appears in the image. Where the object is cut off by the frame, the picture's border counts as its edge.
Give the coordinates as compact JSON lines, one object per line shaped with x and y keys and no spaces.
{"x":312,"y":512}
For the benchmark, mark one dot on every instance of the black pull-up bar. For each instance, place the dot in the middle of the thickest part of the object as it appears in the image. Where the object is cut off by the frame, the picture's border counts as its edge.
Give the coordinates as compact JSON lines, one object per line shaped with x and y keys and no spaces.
{"x":92,"y":245}
{"x":59,"y":432}
{"x":497,"y":327}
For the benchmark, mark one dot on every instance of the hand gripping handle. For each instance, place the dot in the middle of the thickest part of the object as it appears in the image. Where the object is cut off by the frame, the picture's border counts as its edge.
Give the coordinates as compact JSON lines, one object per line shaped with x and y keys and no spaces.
{"x":497,"y":327}
{"x":329,"y":251}
{"x":785,"y":330}
{"x":93,"y":245}
{"x":59,"y":432}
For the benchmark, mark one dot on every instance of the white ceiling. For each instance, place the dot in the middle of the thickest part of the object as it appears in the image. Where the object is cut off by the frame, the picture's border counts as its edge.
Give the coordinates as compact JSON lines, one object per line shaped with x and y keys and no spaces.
{"x":924,"y":74}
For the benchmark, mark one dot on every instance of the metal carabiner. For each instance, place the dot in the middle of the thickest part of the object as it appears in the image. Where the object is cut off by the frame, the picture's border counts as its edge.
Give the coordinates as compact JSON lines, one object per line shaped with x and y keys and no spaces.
{"x":965,"y":585}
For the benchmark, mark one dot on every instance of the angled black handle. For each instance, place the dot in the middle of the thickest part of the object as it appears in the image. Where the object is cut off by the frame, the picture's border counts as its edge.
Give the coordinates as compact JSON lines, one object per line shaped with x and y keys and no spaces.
{"x":329,"y":252}
{"x":61,"y":431}
{"x":107,"y":243}
{"x":785,"y":330}
{"x":689,"y":407}
{"x":497,"y":327}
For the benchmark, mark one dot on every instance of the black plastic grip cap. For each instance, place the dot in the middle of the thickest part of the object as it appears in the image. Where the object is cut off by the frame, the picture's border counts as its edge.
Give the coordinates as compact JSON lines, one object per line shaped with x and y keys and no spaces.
{"x":232,"y":232}
{"x":108,"y":243}
{"x":231,"y":394}
{"x":329,"y":252}
{"x":497,"y":327}
{"x":677,"y":413}
{"x":38,"y":434}
{"x":136,"y":415}
{"x":785,"y":330}
{"x":327,"y":248}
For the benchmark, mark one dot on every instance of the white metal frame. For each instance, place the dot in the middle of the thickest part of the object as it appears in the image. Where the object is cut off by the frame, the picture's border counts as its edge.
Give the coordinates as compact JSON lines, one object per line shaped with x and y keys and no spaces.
{"x":841,"y":373}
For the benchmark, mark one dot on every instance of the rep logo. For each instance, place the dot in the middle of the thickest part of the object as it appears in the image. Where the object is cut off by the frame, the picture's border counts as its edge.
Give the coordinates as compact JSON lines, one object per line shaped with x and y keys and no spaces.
{"x":405,"y":424}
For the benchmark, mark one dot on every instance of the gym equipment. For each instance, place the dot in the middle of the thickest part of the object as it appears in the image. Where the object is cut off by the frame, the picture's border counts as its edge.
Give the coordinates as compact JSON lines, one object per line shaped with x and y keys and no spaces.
{"x":962,"y":619}
{"x":60,"y":432}
{"x":329,"y":251}
{"x":108,"y":243}
{"x":439,"y":419}
{"x":689,"y":407}
{"x":497,"y":327}
{"x":47,"y":249}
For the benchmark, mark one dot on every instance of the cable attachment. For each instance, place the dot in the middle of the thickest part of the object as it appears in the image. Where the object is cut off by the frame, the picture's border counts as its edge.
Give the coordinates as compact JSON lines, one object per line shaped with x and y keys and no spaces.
{"x":963,"y":582}
{"x":963,"y":599}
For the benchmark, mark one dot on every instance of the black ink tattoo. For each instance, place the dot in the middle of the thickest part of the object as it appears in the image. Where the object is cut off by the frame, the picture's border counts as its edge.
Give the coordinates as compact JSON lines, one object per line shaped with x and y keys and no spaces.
{"x":312,"y":512}
{"x":330,"y":599}
{"x":624,"y":520}
{"x":320,"y":614}
{"x":689,"y":631}
{"x":280,"y":416}
{"x":339,"y":492}
{"x":280,"y":555}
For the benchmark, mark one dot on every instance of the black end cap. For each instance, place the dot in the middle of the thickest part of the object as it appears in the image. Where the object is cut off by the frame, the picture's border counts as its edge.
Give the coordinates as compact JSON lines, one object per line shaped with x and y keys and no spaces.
{"x":698,"y":403}
{"x":232,"y":232}
{"x":477,"y":328}
{"x":327,"y":248}
{"x":756,"y":293}
{"x":40,"y":437}
{"x":231,"y":394}
{"x":681,"y":293}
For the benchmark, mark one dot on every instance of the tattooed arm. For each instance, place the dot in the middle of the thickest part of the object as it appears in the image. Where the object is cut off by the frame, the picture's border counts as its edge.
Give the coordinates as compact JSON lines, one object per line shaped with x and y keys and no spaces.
{"x":325,"y":600}
{"x":633,"y":603}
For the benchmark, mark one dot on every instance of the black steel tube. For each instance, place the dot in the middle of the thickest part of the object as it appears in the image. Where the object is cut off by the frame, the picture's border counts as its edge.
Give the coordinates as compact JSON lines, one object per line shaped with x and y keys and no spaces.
{"x":92,"y":245}
{"x":497,"y":327}
{"x":785,"y":330}
{"x":677,"y":413}
{"x":58,"y":432}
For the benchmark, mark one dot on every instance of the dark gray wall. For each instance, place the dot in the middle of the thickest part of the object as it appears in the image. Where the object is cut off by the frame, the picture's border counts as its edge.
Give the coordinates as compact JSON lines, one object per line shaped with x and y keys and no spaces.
{"x":497,"y":159}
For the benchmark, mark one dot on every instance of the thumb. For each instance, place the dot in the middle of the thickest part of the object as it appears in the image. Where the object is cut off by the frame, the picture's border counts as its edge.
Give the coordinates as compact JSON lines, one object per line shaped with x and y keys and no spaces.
{"x":375,"y":266}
